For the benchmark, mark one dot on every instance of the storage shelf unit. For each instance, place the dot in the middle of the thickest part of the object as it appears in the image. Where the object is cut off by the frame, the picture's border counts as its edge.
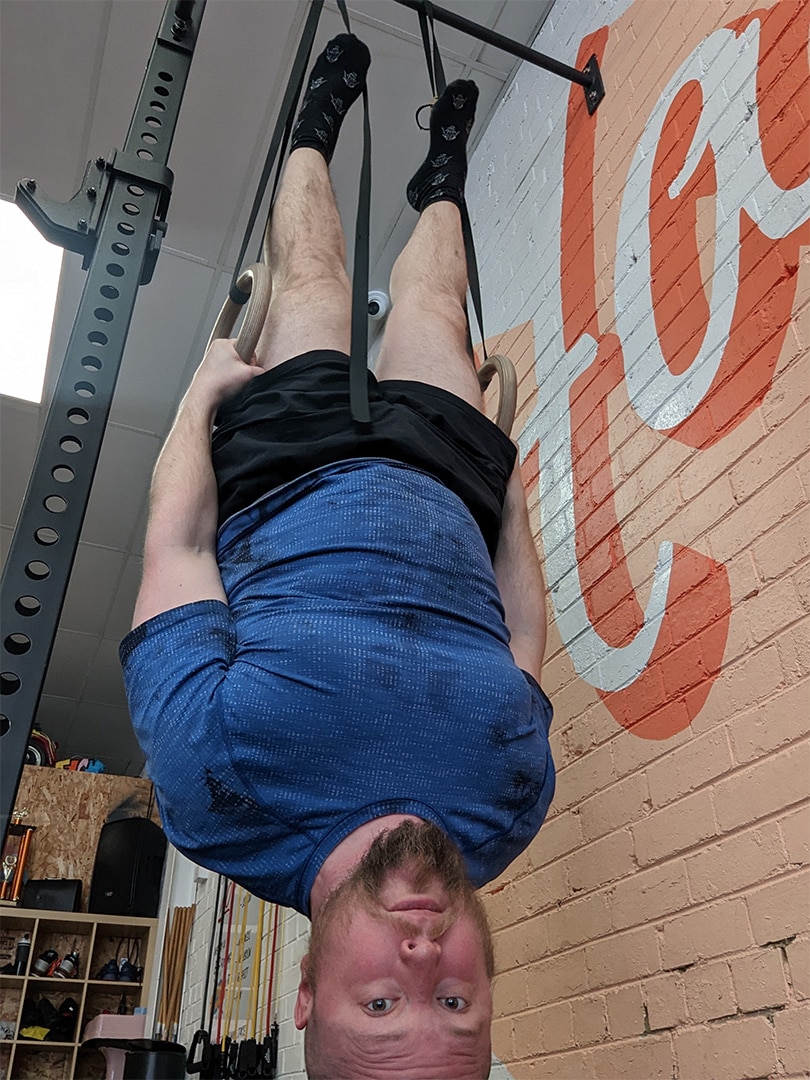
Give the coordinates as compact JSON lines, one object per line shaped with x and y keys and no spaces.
{"x":96,"y":939}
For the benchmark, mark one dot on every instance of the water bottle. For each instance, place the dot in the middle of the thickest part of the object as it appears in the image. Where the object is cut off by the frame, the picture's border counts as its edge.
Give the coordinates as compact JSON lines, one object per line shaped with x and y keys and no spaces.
{"x":45,"y":964}
{"x":69,"y":966}
{"x":22,"y":954}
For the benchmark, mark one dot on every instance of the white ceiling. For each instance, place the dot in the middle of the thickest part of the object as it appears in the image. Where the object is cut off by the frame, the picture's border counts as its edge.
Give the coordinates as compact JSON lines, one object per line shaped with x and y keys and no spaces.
{"x":69,"y":76}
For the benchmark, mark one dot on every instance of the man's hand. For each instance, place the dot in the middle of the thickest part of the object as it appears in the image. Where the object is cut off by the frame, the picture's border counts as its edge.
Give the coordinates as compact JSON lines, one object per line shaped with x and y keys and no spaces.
{"x":221,"y":375}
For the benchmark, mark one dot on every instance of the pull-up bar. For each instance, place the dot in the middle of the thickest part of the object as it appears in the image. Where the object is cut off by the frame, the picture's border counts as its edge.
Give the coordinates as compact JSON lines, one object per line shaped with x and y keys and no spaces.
{"x":590,"y":78}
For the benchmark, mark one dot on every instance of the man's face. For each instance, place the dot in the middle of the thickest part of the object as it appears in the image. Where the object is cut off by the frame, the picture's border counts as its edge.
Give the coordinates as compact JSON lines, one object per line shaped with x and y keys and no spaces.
{"x":398,"y":981}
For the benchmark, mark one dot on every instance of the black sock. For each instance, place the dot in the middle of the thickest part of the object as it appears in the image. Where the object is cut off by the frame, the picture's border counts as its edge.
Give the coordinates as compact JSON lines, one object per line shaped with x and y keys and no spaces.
{"x":442,"y":174}
{"x":335,"y":83}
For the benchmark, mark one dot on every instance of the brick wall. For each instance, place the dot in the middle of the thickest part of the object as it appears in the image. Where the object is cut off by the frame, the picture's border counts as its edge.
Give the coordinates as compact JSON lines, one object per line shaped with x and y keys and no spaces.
{"x":204,"y":927}
{"x":291,"y":1041}
{"x":647,"y":270}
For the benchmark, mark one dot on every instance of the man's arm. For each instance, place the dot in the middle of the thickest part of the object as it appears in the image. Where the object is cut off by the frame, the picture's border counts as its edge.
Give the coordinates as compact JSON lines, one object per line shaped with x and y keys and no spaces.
{"x":180,"y":563}
{"x":520,"y":580}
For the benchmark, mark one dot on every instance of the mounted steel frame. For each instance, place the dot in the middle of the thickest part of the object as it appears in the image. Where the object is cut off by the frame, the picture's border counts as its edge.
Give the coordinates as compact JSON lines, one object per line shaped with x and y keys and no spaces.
{"x":116,"y":221}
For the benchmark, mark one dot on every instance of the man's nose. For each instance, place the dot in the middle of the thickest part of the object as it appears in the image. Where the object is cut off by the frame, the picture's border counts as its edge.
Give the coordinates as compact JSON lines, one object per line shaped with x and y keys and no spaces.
{"x":420,"y":949}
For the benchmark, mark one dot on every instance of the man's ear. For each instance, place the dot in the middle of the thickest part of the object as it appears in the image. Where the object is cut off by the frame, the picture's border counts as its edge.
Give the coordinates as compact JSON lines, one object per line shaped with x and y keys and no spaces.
{"x":306,"y":997}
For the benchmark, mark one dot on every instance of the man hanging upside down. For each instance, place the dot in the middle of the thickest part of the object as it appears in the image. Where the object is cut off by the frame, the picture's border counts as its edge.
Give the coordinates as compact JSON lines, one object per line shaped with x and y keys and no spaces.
{"x":335,"y":665}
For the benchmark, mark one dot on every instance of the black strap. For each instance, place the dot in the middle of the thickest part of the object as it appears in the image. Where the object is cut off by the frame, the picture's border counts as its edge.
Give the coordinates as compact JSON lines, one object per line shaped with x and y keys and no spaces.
{"x":432,"y":56}
{"x":220,"y":905}
{"x":358,"y":365}
{"x":344,"y":12}
{"x":473,"y":280}
{"x":358,"y":361}
{"x":278,"y":143}
{"x":438,"y":85}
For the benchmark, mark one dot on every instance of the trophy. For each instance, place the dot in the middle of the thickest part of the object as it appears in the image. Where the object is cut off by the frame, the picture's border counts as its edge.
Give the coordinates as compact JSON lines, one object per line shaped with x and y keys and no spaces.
{"x":15,"y":853}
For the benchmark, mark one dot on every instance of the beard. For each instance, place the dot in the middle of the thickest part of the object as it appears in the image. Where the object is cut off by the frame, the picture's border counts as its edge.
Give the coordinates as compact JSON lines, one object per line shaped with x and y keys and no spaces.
{"x":430,"y":855}
{"x":421,"y":846}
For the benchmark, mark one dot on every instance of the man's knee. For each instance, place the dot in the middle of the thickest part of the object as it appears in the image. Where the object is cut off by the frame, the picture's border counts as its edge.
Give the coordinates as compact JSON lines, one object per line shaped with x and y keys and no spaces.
{"x":425,"y":303}
{"x":314,"y":273}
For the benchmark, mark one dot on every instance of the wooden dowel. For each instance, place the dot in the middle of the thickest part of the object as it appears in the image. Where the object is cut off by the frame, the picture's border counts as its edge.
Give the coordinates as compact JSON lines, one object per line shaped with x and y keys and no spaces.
{"x":168,"y":966}
{"x":183,"y":935}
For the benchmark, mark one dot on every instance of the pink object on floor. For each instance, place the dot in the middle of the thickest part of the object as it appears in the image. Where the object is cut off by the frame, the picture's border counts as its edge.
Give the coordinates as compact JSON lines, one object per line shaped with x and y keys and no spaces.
{"x":108,"y":1026}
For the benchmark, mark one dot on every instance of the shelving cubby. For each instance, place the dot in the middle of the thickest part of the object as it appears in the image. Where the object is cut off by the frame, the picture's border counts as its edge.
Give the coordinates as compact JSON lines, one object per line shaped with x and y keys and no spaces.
{"x":97,"y":939}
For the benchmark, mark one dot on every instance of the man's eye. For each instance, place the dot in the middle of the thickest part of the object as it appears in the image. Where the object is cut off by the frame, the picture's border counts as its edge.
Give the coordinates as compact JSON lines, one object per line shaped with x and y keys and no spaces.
{"x":455,"y":1004}
{"x":380,"y":1005}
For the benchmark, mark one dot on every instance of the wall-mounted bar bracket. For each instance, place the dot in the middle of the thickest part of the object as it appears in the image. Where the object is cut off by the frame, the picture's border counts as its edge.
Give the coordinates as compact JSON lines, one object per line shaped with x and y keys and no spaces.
{"x":595,"y":90}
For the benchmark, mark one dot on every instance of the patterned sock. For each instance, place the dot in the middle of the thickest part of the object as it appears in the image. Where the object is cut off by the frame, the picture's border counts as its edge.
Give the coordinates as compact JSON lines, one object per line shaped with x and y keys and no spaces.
{"x":336,"y":81}
{"x":443,"y":172}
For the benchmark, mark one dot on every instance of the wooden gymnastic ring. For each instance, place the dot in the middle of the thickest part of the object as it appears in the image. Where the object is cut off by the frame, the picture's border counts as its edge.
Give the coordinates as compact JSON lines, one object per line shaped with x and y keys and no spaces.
{"x":258,"y":282}
{"x":502,"y":366}
{"x":266,"y":238}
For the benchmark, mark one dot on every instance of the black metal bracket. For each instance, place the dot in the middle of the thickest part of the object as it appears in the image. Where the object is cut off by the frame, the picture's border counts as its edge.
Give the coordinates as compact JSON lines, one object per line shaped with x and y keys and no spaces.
{"x":595,"y":91}
{"x":180,"y":25}
{"x":70,"y":224}
{"x":116,"y":221}
{"x":74,"y":224}
{"x":590,"y":78}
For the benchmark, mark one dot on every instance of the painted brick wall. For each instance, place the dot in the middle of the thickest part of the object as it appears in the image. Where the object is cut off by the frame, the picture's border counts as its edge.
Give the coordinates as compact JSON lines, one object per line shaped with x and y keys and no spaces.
{"x":647,"y":270}
{"x":204,"y":927}
{"x":291,"y":1041}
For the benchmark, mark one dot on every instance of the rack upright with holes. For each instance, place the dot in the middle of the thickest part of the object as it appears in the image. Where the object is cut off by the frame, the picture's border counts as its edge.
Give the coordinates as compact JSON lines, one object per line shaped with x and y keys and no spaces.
{"x":116,"y":222}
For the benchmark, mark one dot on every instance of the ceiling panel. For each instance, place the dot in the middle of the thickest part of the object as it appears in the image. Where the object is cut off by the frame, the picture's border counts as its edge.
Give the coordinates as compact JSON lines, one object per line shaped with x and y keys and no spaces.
{"x":56,"y":716}
{"x":93,"y":584}
{"x":104,"y":731}
{"x":451,"y":41}
{"x":6,"y":533}
{"x":52,"y":89}
{"x":105,"y":683}
{"x":119,"y":621}
{"x":70,"y":663}
{"x":225,"y":122}
{"x":158,"y":348}
{"x":120,"y":486}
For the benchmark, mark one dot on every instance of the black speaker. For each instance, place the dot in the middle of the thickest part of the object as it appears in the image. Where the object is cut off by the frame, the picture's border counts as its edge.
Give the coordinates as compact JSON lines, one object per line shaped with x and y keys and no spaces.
{"x":128,"y":869}
{"x":53,"y":894}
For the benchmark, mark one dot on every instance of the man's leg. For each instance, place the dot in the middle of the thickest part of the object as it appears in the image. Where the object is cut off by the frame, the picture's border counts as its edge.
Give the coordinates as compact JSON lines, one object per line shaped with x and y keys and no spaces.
{"x":311,"y":304}
{"x":426,"y":332}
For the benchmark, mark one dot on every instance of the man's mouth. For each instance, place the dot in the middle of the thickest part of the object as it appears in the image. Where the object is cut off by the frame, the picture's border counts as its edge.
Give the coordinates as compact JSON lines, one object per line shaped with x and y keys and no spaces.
{"x":418,"y":903}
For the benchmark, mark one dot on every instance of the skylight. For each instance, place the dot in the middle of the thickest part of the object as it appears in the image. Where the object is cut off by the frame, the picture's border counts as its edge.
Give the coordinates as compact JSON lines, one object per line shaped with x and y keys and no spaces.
{"x":29,"y":278}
